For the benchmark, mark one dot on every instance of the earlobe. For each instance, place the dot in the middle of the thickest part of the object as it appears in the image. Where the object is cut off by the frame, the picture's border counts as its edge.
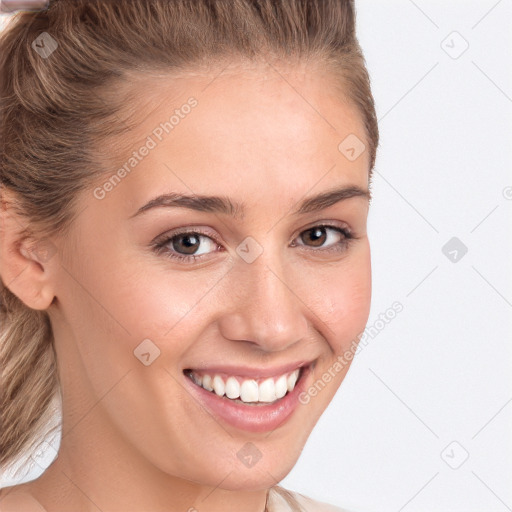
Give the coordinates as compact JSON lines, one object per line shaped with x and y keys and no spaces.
{"x":24,"y":264}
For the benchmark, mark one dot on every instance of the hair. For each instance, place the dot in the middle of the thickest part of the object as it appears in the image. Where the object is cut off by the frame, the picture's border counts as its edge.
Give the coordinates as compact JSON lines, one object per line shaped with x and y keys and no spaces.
{"x":56,"y":111}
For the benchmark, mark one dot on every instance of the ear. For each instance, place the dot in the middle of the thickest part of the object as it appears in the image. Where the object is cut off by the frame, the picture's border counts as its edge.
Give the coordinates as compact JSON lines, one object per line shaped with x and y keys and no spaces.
{"x":25,"y":263}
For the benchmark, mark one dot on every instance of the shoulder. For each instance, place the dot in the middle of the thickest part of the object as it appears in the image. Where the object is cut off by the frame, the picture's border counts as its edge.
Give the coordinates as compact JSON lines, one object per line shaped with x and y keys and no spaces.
{"x":279,"y":503}
{"x":17,"y":498}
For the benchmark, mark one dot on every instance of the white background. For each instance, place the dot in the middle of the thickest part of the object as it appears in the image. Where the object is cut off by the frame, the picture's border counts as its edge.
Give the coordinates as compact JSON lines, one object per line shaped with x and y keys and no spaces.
{"x":440,"y":372}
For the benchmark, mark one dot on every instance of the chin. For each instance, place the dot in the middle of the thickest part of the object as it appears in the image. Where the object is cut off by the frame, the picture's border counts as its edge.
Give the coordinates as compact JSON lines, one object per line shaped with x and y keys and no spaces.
{"x":256,"y":480}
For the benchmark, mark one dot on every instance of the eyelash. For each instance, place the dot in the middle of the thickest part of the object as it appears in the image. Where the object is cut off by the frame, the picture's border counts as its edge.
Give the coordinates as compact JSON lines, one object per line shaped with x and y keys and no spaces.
{"x":159,"y":244}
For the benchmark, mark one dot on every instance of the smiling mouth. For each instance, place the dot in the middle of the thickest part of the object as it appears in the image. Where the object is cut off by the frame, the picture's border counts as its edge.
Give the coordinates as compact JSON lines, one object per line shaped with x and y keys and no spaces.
{"x":247,"y":391}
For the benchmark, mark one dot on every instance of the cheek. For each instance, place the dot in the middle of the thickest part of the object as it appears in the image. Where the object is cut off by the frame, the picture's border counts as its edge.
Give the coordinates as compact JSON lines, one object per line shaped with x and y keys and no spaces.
{"x":344,"y":304}
{"x":113,"y":309}
{"x":162,"y":304}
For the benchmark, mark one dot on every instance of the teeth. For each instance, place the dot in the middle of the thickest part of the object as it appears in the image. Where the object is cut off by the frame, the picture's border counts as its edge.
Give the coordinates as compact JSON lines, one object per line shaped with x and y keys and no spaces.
{"x":292,"y":379}
{"x":267,"y":391}
{"x":197,"y":379}
{"x":218,"y":385}
{"x":248,"y":390}
{"x":232,"y":388}
{"x":207,"y":383}
{"x":281,"y":386}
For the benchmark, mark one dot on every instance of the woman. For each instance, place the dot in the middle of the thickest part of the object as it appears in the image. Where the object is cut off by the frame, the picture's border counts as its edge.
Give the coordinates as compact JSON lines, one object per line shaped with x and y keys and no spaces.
{"x":184,"y":257}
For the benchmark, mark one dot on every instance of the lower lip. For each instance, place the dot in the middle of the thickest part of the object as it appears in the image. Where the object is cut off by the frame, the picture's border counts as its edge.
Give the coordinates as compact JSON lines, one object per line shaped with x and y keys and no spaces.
{"x":253,"y":418}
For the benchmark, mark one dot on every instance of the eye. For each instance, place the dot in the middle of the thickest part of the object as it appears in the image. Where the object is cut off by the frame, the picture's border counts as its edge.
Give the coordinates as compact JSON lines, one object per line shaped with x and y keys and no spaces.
{"x":186,"y":246}
{"x":190,"y":246}
{"x":319,"y":235}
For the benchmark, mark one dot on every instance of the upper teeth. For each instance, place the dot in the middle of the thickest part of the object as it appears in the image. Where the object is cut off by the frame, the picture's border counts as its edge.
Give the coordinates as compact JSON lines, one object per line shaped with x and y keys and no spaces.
{"x":248,"y":390}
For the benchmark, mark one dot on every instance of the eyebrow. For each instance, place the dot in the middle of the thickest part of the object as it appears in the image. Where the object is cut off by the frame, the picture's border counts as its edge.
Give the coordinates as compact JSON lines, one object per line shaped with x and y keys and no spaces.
{"x":224,"y":205}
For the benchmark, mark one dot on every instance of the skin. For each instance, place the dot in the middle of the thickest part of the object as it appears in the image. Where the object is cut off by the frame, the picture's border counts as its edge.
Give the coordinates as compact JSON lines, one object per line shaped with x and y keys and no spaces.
{"x":257,"y":140}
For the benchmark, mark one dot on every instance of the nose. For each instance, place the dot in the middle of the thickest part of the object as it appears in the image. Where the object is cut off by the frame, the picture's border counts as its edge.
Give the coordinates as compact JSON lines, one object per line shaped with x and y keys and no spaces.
{"x":264,"y":308}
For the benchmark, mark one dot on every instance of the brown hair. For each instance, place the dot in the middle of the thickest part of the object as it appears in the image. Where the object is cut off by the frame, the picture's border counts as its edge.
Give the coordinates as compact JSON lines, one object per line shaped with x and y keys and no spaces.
{"x":55,"y":110}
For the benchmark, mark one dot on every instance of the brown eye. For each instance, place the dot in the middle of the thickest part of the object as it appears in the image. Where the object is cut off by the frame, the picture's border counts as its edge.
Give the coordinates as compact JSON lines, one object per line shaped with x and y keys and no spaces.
{"x":318,"y":236}
{"x":314,"y":235}
{"x":192,"y":246}
{"x":186,"y":243}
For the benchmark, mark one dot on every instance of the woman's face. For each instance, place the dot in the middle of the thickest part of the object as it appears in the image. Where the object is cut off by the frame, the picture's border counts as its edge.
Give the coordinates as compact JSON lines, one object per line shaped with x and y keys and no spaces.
{"x":269,"y":290}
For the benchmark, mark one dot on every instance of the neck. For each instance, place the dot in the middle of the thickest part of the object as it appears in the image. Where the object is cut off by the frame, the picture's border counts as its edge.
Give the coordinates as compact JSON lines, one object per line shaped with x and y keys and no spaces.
{"x":96,"y":470}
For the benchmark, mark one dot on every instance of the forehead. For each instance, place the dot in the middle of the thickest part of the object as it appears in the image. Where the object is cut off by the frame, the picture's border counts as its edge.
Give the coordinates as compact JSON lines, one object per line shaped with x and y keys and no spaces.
{"x":251,"y":126}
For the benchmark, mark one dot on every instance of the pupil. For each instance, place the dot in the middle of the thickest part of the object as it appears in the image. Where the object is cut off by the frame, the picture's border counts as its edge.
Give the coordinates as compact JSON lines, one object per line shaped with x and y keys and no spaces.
{"x":189,"y":246}
{"x":318,"y":237}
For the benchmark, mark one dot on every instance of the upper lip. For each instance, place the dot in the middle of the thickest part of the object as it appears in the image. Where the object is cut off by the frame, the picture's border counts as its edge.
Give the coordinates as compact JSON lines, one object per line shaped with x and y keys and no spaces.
{"x":251,"y":371}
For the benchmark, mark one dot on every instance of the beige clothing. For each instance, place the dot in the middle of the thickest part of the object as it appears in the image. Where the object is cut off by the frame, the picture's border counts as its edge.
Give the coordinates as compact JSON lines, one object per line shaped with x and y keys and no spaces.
{"x":276,"y":503}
